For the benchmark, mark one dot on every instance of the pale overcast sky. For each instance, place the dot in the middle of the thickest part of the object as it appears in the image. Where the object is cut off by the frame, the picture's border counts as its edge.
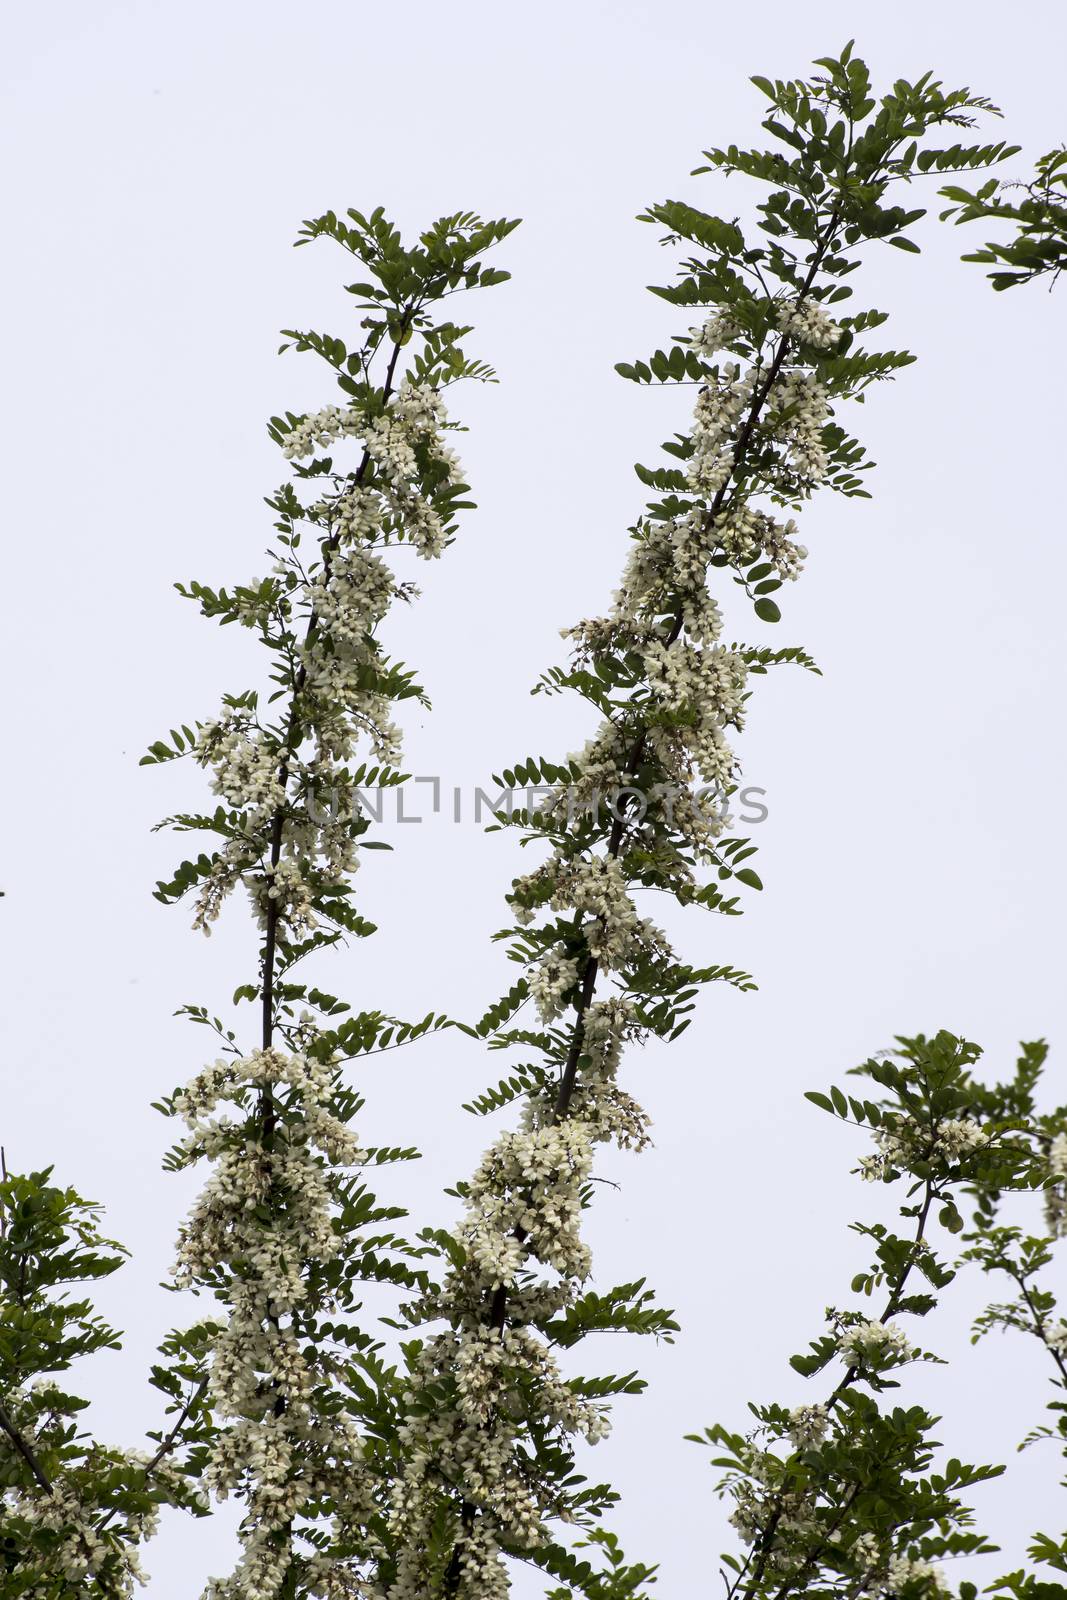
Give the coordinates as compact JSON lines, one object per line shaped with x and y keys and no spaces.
{"x":161,"y":158}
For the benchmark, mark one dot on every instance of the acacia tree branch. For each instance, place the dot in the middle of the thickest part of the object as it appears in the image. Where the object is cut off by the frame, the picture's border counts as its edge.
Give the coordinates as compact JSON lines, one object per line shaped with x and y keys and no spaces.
{"x":766,"y":1545}
{"x":270,"y":942}
{"x":1040,"y":1323}
{"x":25,"y":1450}
{"x":497,"y":1312}
{"x":591,"y":971}
{"x":168,"y":1442}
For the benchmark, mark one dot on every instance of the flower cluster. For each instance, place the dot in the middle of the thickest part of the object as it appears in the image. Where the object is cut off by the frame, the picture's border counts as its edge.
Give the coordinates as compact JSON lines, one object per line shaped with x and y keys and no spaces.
{"x":869,"y":1343}
{"x":808,"y":323}
{"x":80,"y":1548}
{"x":482,"y":1382}
{"x":721,"y":404}
{"x":1056,"y":1336}
{"x":798,"y":412}
{"x":598,"y":1101}
{"x":750,"y":534}
{"x":594,"y":889}
{"x":1056,"y":1193}
{"x":684,"y":681}
{"x":920,"y":1575}
{"x":881,"y":1573}
{"x":763,"y":1506}
{"x":261,"y":1227}
{"x":552,"y":983}
{"x":902,"y":1142}
{"x":525,"y":1199}
{"x":716,"y":333}
{"x":808,"y":1425}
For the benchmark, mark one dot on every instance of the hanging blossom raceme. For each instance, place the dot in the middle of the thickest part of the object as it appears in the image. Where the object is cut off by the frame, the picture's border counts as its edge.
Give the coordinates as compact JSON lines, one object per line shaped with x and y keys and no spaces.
{"x":288,"y":1438}
{"x":285,"y":1233}
{"x":485,"y":1384}
{"x":644,"y":807}
{"x":841,"y":1495}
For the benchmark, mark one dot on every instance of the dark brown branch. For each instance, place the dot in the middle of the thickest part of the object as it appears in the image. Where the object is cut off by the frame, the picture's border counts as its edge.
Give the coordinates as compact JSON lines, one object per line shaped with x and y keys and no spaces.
{"x":25,"y":1451}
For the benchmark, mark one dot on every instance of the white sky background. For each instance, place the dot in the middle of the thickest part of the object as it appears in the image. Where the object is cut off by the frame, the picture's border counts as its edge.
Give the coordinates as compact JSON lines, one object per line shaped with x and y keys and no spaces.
{"x":161,"y":160}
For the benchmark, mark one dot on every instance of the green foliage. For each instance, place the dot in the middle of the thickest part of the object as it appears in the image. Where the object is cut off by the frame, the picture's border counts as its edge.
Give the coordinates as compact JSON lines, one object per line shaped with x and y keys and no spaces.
{"x":615,"y":1579}
{"x":51,"y":1239}
{"x":842,"y":1494}
{"x":1037,"y":209}
{"x":628,"y":1308}
{"x":73,"y":1508}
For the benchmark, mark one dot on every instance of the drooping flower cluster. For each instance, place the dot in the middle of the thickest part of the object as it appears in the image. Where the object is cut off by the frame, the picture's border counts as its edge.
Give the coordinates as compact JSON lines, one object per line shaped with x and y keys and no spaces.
{"x":808,"y":1425}
{"x":78,"y":1543}
{"x":552,"y":983}
{"x":902,"y":1141}
{"x":866,"y":1343}
{"x":762,"y":1503}
{"x":1056,"y":1193}
{"x":1056,"y":1336}
{"x":922,"y":1575}
{"x":880,"y":1574}
{"x":483,"y":1380}
{"x":259,"y":1234}
{"x":809,"y":323}
{"x":398,"y":440}
{"x":598,"y":1101}
{"x":594,"y":889}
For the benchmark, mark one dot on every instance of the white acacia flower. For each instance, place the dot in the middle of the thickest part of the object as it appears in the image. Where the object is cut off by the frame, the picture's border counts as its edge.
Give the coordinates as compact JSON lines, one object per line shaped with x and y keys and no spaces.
{"x":873,"y":1343}
{"x":808,"y":1425}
